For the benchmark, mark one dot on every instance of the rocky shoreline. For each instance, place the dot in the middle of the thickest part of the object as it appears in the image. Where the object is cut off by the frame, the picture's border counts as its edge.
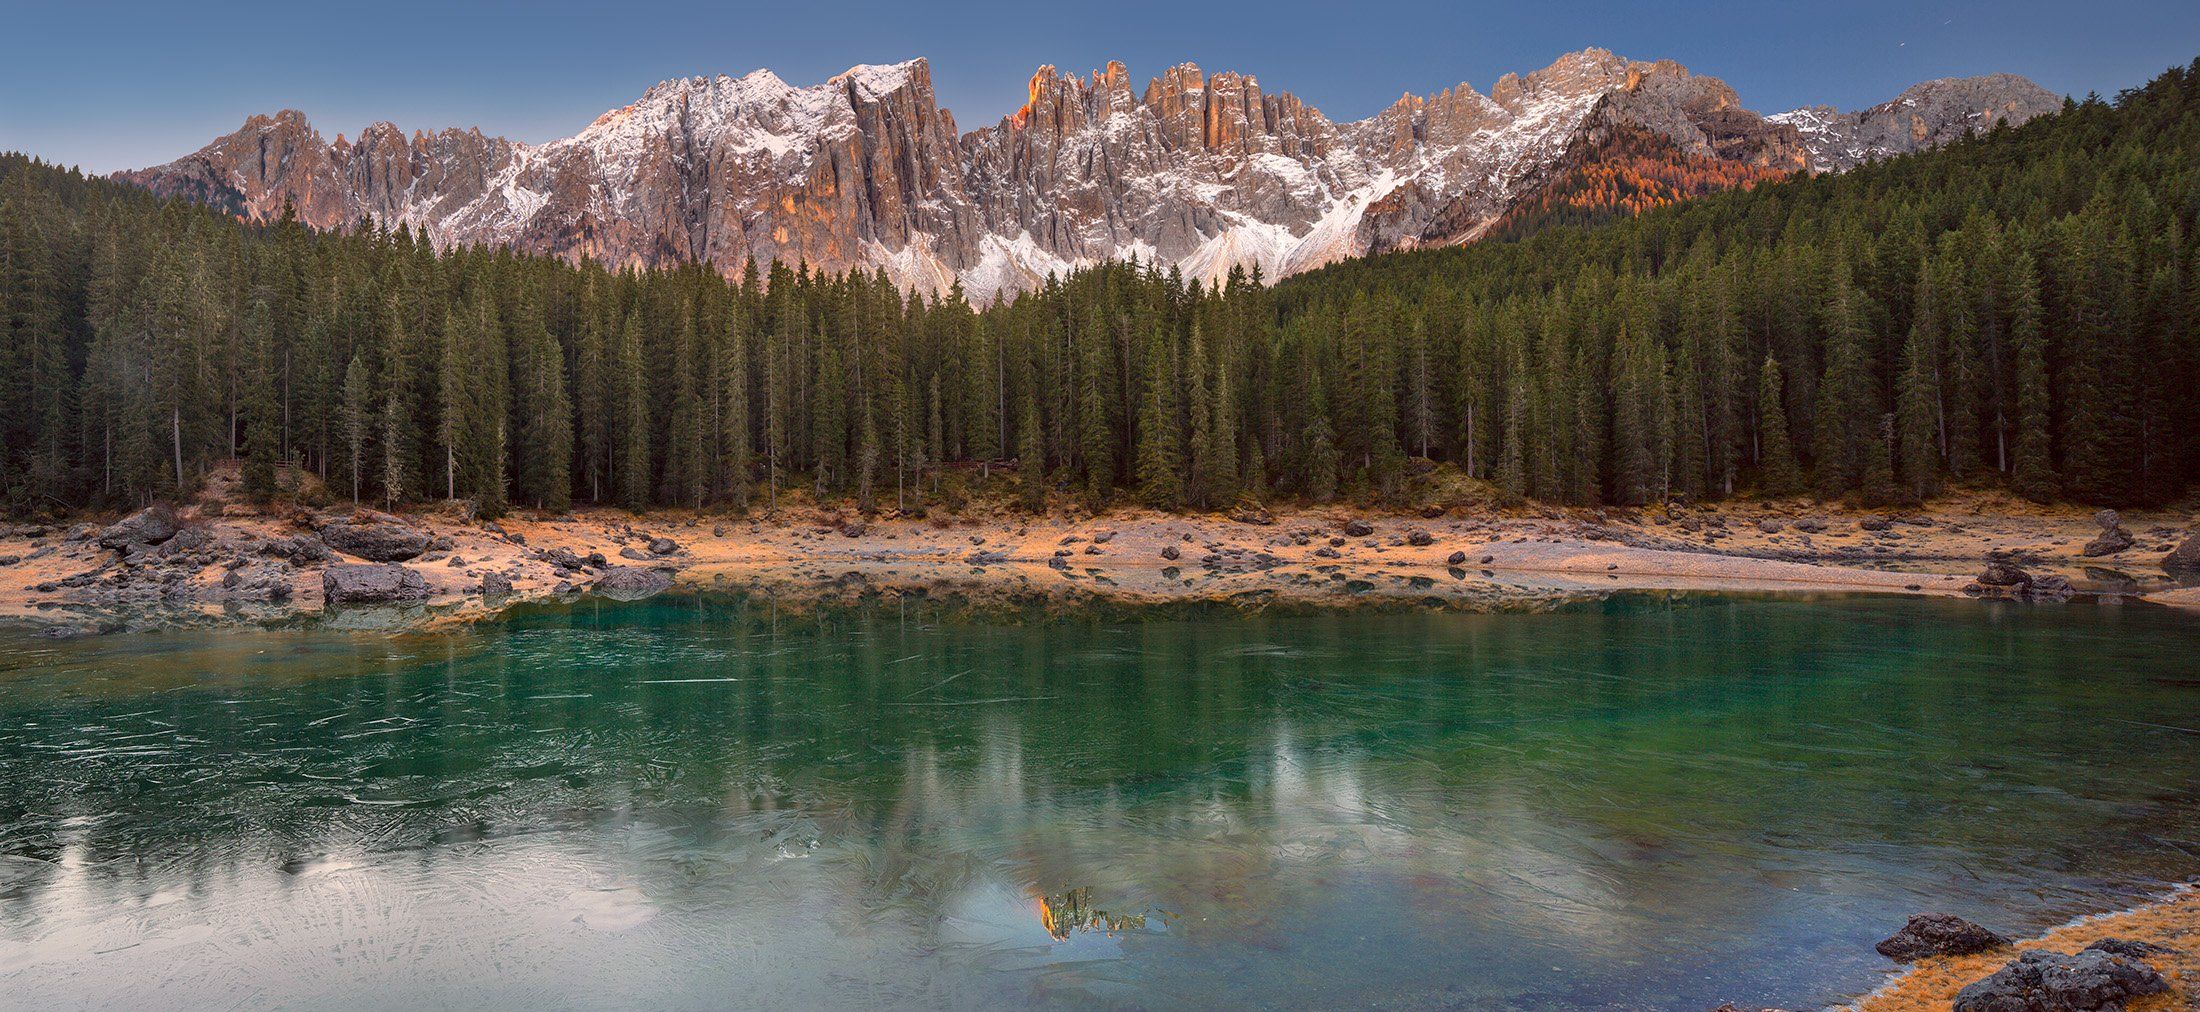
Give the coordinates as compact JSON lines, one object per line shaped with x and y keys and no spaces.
{"x":2142,"y":958}
{"x":221,"y":562}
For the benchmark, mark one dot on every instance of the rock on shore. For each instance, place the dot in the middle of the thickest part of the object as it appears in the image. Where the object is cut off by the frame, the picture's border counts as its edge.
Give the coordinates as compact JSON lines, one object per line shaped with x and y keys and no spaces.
{"x":1938,"y":935}
{"x":2040,"y":981}
{"x":375,"y":583}
{"x":376,"y":538}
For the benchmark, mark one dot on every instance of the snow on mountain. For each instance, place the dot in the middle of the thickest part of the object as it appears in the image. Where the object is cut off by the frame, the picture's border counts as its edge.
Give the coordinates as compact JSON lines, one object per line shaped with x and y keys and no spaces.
{"x":1205,"y":174}
{"x":1925,"y":115}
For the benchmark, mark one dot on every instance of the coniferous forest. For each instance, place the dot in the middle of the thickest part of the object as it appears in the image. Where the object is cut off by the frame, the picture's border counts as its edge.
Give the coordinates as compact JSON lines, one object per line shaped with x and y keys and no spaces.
{"x":2020,"y":309}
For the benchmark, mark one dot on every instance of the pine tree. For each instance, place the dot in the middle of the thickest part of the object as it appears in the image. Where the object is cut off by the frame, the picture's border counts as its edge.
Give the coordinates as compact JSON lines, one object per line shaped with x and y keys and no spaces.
{"x":1847,"y":422}
{"x":1096,"y":440}
{"x":395,"y":408}
{"x":1218,"y":469}
{"x":1917,"y":400}
{"x":687,"y":475}
{"x":1777,"y":472}
{"x":2032,"y":468}
{"x":358,"y":421}
{"x":1323,"y":460}
{"x":1160,"y":452}
{"x":630,"y":374}
{"x":734,"y":453}
{"x":1031,"y":462}
{"x":546,"y":417}
{"x":262,"y":422}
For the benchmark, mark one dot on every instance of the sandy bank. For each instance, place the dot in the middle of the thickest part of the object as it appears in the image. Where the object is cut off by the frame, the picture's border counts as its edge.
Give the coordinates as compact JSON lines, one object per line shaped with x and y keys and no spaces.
{"x":1459,"y":557}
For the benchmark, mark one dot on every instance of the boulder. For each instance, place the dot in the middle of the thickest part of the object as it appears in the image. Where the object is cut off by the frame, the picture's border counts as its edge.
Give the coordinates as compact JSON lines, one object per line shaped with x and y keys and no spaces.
{"x":1938,"y":935}
{"x":375,"y":583}
{"x":149,"y":526}
{"x":1419,"y":538}
{"x":2132,"y":948}
{"x":495,"y":585}
{"x":2049,"y":588}
{"x":375,"y":539}
{"x":2039,"y":981}
{"x":630,"y":583}
{"x":1358,"y":529}
{"x":1456,"y":559}
{"x":2185,"y":558}
{"x":1171,"y":553}
{"x":2111,"y":541}
{"x":663,"y":546}
{"x":2003,"y":574}
{"x":254,"y":585}
{"x":297,"y":548}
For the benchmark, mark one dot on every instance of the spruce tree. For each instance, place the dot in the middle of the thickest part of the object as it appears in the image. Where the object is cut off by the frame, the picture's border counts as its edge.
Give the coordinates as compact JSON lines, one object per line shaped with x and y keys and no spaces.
{"x":262,"y":421}
{"x":1777,"y":472}
{"x":2032,"y":467}
{"x":1160,"y":450}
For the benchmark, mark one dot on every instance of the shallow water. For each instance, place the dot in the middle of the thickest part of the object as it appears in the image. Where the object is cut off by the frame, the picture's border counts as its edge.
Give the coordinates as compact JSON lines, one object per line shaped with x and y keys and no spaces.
{"x":1647,"y":802}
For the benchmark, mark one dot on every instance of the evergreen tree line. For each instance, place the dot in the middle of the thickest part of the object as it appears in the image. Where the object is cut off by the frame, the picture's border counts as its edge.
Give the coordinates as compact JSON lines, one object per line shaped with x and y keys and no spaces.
{"x":2015,"y":309}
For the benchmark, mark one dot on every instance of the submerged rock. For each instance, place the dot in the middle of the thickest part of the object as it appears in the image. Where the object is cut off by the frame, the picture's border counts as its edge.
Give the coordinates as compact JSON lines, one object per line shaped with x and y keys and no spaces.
{"x":375,"y":583}
{"x":149,"y":526}
{"x":1938,"y":935}
{"x":2039,"y":981}
{"x":632,"y":583}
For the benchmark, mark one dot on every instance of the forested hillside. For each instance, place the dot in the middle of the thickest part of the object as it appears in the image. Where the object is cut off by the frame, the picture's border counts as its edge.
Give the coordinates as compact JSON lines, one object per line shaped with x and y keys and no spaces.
{"x":2016,"y":308}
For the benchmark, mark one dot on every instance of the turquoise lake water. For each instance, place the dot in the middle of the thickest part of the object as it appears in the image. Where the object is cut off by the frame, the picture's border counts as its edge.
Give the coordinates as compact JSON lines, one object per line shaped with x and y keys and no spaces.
{"x":1644,"y":802}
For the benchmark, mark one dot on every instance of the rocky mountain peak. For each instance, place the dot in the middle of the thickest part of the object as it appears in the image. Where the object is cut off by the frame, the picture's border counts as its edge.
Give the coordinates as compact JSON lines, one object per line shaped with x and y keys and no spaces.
{"x":1925,"y":115}
{"x":1202,"y":171}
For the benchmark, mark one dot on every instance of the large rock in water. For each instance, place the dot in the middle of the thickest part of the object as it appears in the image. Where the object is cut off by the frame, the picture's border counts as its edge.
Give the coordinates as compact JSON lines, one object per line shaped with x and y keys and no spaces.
{"x":382,"y":583}
{"x":1938,"y":935}
{"x":376,"y":540}
{"x":2040,"y":981}
{"x":630,"y":583}
{"x":149,"y":526}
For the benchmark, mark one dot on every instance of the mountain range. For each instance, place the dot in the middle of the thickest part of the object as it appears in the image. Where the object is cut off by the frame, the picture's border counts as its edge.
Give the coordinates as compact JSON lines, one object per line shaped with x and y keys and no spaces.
{"x":1201,"y":172}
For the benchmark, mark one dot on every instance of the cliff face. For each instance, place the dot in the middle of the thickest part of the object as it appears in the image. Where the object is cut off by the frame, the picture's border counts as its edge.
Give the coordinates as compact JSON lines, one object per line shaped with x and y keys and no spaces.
{"x":1204,"y":173}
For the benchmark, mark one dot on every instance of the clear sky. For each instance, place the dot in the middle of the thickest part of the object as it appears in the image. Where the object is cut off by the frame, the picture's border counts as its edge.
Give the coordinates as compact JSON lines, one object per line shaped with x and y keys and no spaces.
{"x":111,"y":84}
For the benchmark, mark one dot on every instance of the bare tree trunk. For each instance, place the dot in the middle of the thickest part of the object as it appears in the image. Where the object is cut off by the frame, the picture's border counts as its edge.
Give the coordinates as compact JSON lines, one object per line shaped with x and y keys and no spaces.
{"x":175,"y":422}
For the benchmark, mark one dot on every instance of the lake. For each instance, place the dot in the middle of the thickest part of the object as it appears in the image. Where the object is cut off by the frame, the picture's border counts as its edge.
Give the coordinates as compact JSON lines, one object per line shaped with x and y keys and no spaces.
{"x":1647,"y":801}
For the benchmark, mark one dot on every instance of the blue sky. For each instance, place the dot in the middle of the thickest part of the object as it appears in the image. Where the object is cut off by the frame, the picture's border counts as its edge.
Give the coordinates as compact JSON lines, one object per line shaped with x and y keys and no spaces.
{"x":119,"y":84}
